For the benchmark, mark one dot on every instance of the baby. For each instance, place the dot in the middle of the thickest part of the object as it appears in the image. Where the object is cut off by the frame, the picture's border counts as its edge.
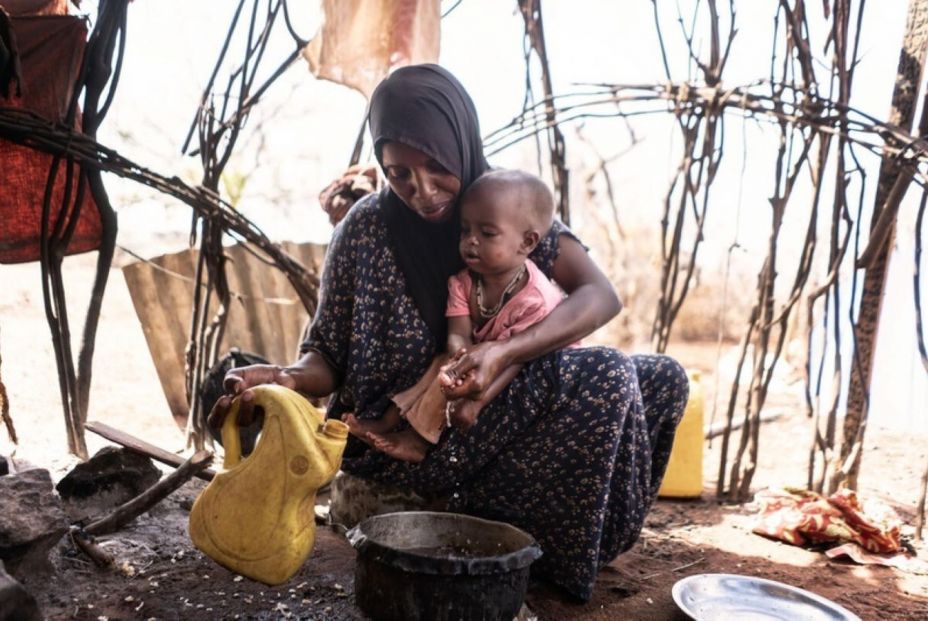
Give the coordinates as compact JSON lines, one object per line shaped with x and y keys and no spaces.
{"x":504,"y":215}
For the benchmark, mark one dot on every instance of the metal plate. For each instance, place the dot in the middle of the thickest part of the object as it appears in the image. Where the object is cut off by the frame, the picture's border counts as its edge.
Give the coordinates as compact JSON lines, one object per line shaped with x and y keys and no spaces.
{"x":722,"y":597}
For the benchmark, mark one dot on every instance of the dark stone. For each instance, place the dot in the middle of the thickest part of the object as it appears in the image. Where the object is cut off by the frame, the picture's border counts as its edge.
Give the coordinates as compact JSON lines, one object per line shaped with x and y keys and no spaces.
{"x":16,"y":603}
{"x":33,"y":521}
{"x":4,"y":466}
{"x":108,"y":479}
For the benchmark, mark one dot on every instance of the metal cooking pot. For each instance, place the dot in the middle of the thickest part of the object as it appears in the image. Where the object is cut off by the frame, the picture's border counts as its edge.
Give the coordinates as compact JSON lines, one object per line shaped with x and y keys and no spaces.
{"x":444,"y":566}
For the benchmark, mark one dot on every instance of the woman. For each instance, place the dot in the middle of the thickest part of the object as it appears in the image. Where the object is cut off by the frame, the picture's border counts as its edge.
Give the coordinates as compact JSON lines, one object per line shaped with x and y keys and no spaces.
{"x":574,"y":449}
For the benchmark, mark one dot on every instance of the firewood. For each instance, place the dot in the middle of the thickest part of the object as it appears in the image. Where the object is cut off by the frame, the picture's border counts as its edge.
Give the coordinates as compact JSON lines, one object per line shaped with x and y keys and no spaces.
{"x":145,"y":448}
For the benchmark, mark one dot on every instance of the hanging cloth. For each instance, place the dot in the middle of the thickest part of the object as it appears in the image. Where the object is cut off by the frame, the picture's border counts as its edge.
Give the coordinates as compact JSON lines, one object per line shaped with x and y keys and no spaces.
{"x":361,"y":41}
{"x":50,"y":51}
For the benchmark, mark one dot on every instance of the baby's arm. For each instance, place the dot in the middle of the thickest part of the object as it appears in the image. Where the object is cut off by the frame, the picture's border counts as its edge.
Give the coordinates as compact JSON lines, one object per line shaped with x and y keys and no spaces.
{"x":459,"y":334}
{"x":459,"y":338}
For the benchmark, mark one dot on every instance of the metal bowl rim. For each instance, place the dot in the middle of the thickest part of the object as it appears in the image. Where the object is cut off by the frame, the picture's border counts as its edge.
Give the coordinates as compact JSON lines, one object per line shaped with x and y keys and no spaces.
{"x":680,"y":586}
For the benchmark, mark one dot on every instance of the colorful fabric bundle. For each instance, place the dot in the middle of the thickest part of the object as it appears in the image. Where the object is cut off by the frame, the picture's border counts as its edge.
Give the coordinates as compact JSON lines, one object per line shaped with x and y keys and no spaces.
{"x":802,"y":517}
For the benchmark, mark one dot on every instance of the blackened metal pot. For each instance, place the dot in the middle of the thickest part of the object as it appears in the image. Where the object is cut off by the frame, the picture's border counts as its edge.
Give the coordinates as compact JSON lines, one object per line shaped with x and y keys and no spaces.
{"x":421,"y":565}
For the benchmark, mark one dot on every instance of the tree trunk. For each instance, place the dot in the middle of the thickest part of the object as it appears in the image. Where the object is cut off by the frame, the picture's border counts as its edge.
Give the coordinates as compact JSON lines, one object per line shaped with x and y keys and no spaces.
{"x":902,"y":112}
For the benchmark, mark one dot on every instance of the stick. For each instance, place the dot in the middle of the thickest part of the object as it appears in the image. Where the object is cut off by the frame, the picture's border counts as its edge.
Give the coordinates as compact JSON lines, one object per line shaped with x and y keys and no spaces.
{"x":719,"y":429}
{"x":676,"y":569}
{"x":153,"y":495}
{"x":141,"y":446}
{"x":82,"y":540}
{"x":5,"y":414}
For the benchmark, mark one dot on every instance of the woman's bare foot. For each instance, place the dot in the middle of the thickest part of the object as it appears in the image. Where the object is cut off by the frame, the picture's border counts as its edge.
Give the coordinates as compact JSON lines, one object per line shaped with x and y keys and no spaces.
{"x":405,"y":445}
{"x":361,"y":428}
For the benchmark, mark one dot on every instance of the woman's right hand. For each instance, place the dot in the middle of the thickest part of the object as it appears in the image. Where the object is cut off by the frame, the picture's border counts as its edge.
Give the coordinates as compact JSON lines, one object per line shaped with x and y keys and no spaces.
{"x":238,"y":383}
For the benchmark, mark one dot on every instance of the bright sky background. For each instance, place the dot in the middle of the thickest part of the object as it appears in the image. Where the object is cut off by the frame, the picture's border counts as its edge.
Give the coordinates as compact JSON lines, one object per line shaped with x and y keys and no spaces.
{"x":309,"y":128}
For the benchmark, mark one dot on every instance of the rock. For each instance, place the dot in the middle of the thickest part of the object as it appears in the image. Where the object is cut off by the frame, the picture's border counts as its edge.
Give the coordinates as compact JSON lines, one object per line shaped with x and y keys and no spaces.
{"x":4,"y":466}
{"x":33,"y":521}
{"x":107,"y":480}
{"x":16,"y":603}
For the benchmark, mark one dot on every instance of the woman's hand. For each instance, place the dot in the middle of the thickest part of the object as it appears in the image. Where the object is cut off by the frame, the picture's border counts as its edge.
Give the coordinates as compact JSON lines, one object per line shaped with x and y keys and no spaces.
{"x":473,"y":370}
{"x":238,"y":383}
{"x":241,"y":379}
{"x":311,"y":375}
{"x":356,"y":182}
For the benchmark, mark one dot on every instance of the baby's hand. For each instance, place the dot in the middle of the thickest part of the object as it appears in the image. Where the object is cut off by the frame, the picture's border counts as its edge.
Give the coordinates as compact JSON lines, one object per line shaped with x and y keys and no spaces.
{"x":448,"y":377}
{"x":446,"y":373}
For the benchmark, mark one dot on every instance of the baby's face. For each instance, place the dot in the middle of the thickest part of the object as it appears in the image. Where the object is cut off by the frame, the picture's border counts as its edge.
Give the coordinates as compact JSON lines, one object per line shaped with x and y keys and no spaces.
{"x":493,"y":231}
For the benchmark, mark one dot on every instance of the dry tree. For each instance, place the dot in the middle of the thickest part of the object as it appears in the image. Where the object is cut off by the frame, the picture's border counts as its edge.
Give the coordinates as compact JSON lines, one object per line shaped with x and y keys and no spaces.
{"x":218,"y":124}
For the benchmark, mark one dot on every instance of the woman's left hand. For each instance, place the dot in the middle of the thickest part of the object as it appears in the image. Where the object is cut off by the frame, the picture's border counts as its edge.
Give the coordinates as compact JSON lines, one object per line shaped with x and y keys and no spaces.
{"x":475,"y":369}
{"x":356,"y":182}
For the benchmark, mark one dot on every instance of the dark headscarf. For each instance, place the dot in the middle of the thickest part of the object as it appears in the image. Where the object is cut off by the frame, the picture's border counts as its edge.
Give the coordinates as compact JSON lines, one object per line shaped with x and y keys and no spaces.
{"x":425,"y":107}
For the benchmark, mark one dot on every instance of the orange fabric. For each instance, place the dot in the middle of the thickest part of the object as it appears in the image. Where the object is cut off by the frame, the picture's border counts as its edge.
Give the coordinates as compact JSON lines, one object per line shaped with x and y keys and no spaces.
{"x":802,"y":517}
{"x":50,"y":51}
{"x":362,"y":40}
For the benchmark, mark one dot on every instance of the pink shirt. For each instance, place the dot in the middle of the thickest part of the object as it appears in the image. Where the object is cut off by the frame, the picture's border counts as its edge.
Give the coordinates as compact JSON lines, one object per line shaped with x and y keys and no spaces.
{"x":530,"y":305}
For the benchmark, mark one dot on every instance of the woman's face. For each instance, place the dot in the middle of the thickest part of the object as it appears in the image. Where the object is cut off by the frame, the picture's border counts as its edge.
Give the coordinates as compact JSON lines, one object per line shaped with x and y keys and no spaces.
{"x":420,"y":181}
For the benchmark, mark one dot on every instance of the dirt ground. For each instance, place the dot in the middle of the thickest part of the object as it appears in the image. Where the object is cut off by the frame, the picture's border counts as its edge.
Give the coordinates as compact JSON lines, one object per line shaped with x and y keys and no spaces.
{"x":161,"y":576}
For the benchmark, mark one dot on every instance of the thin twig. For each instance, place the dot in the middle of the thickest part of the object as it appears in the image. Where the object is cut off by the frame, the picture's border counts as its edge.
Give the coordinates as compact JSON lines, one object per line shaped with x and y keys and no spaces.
{"x":675,"y":569}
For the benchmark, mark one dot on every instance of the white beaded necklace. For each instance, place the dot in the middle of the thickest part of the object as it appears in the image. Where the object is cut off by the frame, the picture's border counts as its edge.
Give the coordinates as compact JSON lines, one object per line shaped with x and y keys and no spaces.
{"x":487,"y":313}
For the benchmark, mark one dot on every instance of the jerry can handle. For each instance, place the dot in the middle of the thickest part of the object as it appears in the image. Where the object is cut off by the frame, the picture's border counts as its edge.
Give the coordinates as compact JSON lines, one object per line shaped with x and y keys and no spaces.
{"x":231,"y":440}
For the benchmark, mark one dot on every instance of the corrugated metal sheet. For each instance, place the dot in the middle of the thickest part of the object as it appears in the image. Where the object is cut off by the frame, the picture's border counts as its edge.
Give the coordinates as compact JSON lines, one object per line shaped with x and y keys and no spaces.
{"x":265,"y":315}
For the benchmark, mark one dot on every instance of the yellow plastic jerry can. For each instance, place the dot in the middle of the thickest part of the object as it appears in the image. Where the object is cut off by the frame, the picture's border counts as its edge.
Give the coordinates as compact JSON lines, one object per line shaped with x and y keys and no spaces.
{"x":683,"y":478}
{"x":257,"y":517}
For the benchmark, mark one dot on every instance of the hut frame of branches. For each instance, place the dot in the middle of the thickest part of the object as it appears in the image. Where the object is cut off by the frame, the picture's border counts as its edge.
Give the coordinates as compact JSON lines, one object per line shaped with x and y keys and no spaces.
{"x":818,"y":132}
{"x":217,"y":134}
{"x":97,"y":79}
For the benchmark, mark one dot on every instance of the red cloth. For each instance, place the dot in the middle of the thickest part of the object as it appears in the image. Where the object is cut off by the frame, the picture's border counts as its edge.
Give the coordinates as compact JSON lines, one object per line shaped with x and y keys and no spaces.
{"x":50,"y":50}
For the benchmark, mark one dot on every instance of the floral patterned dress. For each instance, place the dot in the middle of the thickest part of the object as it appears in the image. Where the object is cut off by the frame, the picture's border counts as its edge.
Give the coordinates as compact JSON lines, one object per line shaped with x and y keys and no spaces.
{"x":573,"y":451}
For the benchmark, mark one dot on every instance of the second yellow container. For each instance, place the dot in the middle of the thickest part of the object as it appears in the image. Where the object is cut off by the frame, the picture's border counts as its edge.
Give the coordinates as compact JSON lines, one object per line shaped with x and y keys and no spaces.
{"x":684,"y":471}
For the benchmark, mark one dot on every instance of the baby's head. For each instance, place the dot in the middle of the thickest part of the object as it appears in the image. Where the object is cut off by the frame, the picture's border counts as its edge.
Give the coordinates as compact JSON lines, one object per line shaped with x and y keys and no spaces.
{"x":504,"y":214}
